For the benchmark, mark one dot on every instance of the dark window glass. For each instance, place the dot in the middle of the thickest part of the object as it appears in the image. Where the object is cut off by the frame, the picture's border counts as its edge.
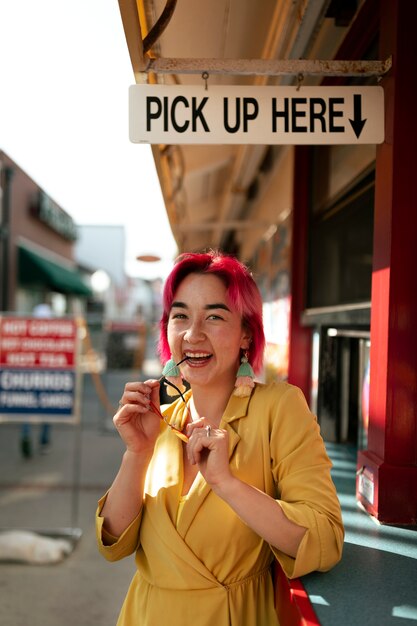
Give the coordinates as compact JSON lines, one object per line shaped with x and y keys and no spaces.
{"x":341,"y":241}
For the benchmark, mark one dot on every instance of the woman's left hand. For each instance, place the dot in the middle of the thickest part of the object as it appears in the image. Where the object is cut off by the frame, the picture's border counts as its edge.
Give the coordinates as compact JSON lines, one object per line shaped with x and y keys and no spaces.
{"x":208,"y":447}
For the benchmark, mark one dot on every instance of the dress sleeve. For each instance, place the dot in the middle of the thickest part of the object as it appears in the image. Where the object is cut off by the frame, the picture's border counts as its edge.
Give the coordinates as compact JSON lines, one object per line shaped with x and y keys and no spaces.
{"x":306,"y":493}
{"x":116,"y":548}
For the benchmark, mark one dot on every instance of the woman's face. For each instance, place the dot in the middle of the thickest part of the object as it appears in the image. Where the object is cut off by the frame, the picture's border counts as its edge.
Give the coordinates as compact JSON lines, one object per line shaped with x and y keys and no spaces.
{"x":203,"y":326}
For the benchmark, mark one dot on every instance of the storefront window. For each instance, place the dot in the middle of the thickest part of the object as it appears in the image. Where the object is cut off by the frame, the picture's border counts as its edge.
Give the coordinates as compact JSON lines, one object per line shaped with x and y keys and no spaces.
{"x":341,"y":244}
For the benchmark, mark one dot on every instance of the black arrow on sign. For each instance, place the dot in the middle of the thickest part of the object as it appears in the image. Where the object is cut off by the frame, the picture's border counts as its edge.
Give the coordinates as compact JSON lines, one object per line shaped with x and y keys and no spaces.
{"x":357,"y":123}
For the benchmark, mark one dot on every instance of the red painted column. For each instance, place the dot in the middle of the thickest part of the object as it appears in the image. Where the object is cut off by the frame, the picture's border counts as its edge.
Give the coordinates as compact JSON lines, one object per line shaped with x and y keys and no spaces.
{"x":387,"y":481}
{"x":299,"y":359}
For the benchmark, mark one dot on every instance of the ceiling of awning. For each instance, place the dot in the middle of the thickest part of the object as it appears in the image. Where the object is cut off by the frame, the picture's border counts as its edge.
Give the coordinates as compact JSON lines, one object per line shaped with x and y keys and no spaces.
{"x":231,"y":196}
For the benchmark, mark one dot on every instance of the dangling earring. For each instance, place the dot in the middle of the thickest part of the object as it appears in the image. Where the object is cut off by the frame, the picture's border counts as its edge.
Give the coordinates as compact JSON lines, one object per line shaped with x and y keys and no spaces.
{"x":172,"y":374}
{"x":244,"y":378}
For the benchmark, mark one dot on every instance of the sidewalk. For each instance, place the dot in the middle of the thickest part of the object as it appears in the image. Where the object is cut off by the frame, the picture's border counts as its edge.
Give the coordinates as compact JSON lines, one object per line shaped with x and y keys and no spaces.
{"x":39,"y":494}
{"x":375,"y":582}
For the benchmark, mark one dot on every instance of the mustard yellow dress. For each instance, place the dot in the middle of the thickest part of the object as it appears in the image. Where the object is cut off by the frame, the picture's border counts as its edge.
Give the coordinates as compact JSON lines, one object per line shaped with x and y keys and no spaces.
{"x":200,"y":564}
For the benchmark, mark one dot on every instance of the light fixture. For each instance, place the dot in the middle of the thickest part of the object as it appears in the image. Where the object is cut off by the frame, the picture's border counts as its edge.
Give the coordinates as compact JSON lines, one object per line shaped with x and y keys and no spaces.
{"x":100,"y":281}
{"x":148,"y":258}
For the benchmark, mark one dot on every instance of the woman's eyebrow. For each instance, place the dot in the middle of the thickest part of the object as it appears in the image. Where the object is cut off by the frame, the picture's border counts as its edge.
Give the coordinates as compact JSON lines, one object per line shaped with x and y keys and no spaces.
{"x":217,"y":305}
{"x":208,"y":307}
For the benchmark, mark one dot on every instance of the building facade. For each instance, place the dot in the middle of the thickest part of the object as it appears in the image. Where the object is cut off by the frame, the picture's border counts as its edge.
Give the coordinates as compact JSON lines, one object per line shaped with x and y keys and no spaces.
{"x":36,"y":248}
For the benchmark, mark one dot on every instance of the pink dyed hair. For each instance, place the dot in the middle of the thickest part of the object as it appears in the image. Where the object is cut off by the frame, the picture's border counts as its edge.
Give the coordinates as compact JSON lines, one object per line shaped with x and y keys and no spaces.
{"x":242,"y":292}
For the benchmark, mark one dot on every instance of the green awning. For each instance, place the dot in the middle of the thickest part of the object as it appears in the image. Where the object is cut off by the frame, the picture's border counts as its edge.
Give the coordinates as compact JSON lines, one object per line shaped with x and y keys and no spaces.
{"x":37,"y":269}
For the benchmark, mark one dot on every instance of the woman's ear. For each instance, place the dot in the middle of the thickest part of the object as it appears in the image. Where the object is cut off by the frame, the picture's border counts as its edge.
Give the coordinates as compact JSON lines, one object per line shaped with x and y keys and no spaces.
{"x":246,"y":340}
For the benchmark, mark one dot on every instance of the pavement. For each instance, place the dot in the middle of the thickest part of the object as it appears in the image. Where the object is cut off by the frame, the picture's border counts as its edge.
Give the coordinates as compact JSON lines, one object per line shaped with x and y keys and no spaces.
{"x":56,"y":494}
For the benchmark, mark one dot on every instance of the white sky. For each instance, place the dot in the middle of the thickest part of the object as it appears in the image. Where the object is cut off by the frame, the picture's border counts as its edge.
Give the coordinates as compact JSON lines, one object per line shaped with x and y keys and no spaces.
{"x":64,"y":78}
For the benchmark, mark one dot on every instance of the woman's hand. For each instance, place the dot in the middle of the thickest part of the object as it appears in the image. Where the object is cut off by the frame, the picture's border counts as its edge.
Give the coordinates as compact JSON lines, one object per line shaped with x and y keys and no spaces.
{"x":208,"y":447}
{"x":137,"y":425}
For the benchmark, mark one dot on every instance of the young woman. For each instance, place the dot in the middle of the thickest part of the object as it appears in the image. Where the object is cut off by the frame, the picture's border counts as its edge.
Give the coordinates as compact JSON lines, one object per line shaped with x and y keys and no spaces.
{"x":231,"y":478}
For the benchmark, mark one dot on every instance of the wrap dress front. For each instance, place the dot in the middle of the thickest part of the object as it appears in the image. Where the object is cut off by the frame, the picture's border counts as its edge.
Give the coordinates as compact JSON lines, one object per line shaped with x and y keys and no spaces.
{"x":201,"y":564}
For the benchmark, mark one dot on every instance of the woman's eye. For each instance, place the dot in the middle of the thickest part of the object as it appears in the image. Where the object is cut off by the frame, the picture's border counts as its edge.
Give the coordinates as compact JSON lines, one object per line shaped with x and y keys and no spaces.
{"x":215,"y":317}
{"x":178,"y":316}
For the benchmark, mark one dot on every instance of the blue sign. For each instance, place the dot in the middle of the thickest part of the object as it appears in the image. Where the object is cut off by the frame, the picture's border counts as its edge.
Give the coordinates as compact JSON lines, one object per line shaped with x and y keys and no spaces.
{"x":37,"y":391}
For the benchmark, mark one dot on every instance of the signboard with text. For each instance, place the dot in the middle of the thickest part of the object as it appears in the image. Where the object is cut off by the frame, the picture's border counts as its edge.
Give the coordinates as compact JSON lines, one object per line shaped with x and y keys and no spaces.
{"x":184,"y":114}
{"x":38,"y":368}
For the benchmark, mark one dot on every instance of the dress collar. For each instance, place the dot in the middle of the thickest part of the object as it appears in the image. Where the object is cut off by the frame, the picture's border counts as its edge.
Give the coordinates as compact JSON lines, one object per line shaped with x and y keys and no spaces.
{"x":236,"y":408}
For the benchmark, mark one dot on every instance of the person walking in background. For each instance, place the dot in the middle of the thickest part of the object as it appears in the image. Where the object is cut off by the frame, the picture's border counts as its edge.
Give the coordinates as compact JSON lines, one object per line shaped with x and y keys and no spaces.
{"x":26,"y":445}
{"x":230,"y":476}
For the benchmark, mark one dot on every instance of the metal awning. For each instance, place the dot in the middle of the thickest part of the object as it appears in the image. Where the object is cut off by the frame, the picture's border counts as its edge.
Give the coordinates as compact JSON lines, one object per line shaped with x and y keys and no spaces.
{"x":37,"y":269}
{"x":234,"y":196}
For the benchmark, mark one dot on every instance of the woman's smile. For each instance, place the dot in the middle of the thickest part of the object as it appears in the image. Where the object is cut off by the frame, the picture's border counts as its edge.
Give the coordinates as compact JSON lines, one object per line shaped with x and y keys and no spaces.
{"x":197,"y":359}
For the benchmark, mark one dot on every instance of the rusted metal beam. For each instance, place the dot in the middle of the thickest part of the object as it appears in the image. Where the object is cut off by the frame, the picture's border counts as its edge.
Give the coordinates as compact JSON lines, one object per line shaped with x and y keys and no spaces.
{"x":268,"y":67}
{"x":228,"y":225}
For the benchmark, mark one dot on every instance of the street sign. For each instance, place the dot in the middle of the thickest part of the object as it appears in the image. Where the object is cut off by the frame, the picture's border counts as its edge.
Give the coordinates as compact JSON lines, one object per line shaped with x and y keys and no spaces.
{"x":184,"y":114}
{"x":38,"y":368}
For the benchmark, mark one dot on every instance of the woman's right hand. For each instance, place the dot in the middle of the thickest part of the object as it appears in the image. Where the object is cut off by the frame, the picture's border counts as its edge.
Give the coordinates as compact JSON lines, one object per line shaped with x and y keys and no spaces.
{"x":137,"y":425}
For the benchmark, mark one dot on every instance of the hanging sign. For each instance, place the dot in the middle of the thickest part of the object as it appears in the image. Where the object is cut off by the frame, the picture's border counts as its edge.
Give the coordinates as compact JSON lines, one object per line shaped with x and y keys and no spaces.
{"x":255,"y":115}
{"x":38,"y":369}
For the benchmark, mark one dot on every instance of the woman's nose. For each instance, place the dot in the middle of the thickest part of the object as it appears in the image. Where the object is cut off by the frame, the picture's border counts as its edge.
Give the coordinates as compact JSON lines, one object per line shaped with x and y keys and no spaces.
{"x":194,"y":333}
